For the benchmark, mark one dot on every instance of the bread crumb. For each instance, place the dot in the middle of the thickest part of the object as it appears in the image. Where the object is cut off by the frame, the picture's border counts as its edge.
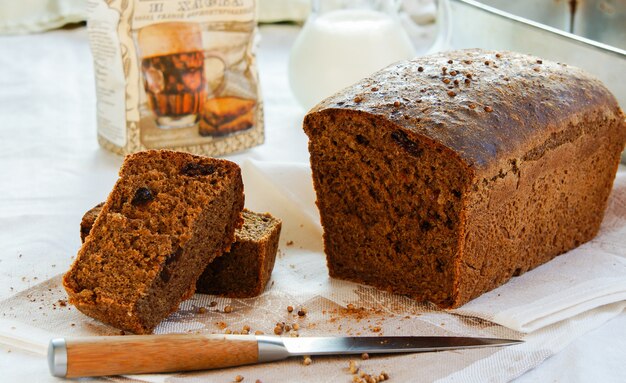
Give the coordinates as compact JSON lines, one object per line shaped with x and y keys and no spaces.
{"x":365,"y":356}
{"x":221,"y":325}
{"x":258,"y":332}
{"x":307,"y":361}
{"x":289,"y":309}
{"x":289,"y":243}
{"x":302,"y":312}
{"x":238,"y":378}
{"x":353,"y":367}
{"x":228,"y":309}
{"x":212,"y":304}
{"x":278,"y":330}
{"x":201,"y":310}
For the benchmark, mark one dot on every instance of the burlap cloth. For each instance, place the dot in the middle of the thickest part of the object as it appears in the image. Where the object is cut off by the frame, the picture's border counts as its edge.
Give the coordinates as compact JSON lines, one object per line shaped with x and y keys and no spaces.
{"x":547,"y":307}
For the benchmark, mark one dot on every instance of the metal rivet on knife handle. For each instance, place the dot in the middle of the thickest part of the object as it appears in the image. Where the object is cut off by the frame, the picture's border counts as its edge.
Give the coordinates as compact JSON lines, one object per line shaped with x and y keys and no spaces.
{"x":57,"y":357}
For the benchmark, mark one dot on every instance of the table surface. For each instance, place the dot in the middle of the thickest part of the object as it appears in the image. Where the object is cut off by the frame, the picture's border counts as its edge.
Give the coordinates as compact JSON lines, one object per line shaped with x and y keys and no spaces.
{"x":52,"y":169}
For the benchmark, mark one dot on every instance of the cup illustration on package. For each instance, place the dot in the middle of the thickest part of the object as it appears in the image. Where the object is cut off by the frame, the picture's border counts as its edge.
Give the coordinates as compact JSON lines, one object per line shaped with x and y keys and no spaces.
{"x":172,"y":65}
{"x":174,"y":76}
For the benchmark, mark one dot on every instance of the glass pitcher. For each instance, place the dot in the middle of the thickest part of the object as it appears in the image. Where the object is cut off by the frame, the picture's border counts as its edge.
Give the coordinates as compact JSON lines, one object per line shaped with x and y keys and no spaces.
{"x":342,"y":42}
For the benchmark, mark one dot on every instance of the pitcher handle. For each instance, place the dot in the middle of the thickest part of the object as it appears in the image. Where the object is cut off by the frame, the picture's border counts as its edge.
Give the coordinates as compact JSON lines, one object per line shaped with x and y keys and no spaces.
{"x":444,"y":28}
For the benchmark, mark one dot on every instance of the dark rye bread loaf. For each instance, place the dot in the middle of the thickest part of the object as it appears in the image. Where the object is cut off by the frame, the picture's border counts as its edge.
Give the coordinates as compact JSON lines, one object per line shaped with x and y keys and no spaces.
{"x":244,"y":271}
{"x":443,"y":177}
{"x":168,"y":215}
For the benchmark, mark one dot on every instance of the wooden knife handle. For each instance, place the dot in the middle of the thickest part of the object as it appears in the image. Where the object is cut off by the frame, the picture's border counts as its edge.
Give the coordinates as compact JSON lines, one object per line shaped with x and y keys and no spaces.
{"x":138,"y":354}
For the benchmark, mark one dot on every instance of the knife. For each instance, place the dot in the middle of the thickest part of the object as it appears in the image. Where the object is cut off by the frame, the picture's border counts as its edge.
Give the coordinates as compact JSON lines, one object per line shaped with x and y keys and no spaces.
{"x":139,"y":354}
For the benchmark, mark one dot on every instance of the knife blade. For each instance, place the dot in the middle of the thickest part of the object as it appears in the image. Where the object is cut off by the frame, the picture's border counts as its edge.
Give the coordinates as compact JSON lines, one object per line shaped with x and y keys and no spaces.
{"x":140,"y":354}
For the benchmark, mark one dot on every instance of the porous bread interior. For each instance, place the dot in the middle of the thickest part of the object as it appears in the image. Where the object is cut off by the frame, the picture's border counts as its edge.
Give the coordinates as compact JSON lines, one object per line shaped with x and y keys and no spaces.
{"x":390,"y":204}
{"x":256,"y":226}
{"x":141,"y":259}
{"x":244,"y":271}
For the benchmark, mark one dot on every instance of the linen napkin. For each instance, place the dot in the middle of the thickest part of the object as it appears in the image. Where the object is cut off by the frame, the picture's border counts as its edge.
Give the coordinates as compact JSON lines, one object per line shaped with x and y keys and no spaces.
{"x":547,"y":307}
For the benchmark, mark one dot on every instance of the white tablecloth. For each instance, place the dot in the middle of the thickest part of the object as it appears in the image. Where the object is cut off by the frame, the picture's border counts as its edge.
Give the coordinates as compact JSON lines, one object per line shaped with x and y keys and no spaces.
{"x":51,"y":169}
